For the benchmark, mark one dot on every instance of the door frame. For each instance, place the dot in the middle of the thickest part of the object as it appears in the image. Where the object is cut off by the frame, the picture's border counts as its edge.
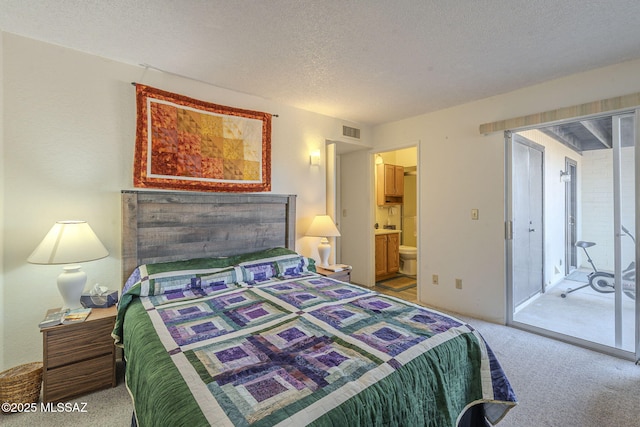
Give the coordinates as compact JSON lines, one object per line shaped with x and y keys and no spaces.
{"x":570,"y":214}
{"x":617,"y":142}
{"x":637,"y":224}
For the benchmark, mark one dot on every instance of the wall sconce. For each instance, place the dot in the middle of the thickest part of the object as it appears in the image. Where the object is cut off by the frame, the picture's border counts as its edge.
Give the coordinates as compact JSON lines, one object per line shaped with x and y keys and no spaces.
{"x":379,"y":159}
{"x":314,"y":158}
{"x":565,"y":176}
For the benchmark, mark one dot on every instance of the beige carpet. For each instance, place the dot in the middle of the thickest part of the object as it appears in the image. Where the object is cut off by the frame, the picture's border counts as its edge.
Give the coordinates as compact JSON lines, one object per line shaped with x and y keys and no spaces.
{"x":561,"y":385}
{"x":557,"y":385}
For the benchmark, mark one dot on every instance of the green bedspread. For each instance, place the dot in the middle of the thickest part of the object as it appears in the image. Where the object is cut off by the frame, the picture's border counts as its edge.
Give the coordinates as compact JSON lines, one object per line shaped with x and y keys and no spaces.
{"x":265,"y":341}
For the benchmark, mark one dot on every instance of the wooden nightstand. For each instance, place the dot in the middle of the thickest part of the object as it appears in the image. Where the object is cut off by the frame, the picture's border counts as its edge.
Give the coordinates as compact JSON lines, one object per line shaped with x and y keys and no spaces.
{"x":80,"y":357}
{"x":344,"y":275}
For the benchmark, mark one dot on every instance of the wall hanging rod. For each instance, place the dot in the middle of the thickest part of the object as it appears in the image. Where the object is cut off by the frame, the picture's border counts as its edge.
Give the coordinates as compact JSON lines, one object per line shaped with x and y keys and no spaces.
{"x":147,"y":66}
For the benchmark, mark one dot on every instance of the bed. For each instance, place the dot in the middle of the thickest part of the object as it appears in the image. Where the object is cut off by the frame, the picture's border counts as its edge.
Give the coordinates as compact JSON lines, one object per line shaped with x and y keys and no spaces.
{"x":223,"y":323}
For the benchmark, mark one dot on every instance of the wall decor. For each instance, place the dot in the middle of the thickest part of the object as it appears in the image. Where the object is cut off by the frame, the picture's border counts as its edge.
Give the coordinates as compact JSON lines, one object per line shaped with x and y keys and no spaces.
{"x":187,"y":144}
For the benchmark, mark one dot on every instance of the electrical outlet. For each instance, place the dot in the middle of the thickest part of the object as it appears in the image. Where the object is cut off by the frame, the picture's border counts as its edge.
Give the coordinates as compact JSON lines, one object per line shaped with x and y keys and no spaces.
{"x":458,"y":283}
{"x":475,"y":214}
{"x":434,"y":279}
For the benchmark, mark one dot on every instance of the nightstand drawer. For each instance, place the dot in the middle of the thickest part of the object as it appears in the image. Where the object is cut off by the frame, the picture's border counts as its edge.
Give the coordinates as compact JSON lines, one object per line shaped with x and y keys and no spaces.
{"x":79,"y":378}
{"x":342,"y":275}
{"x":71,"y":343}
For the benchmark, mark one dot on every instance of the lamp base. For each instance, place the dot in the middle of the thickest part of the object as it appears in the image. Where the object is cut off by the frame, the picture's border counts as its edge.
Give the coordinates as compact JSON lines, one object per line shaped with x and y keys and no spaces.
{"x":324,"y":249}
{"x":70,"y":285}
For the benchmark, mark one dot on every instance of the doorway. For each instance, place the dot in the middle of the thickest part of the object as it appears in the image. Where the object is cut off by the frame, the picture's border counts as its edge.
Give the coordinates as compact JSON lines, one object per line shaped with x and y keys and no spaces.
{"x":588,"y":203}
{"x":357,"y":208}
{"x":395,"y":199}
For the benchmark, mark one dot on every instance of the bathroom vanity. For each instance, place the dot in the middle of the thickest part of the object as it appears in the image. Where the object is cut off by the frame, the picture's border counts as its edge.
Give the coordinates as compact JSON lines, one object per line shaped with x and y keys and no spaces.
{"x":387,"y":253}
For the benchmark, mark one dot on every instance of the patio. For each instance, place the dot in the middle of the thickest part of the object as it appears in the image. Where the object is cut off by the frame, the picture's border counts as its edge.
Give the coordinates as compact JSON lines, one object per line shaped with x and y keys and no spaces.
{"x":585,"y":313}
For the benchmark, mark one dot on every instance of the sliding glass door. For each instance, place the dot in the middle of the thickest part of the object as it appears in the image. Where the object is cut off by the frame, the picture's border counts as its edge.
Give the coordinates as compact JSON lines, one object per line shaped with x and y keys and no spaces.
{"x":587,"y":292}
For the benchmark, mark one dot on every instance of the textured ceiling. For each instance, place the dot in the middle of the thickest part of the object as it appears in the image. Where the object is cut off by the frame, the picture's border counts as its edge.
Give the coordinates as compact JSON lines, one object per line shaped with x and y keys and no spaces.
{"x":367,"y":61}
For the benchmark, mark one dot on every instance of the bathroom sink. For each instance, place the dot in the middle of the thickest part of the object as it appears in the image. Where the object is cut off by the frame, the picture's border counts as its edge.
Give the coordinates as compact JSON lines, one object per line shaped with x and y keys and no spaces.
{"x":386,"y":231}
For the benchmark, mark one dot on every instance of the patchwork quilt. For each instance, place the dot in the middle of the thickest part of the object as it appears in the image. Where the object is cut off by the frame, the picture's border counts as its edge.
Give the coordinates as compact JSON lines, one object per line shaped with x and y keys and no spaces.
{"x":265,"y":341}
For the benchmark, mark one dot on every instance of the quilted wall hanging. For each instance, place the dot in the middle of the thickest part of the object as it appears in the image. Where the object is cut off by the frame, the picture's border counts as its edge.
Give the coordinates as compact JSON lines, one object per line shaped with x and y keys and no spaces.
{"x":187,"y":144}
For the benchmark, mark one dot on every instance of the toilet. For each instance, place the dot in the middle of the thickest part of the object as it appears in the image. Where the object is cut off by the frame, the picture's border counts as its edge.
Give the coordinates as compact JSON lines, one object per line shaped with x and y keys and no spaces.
{"x":408,"y":260}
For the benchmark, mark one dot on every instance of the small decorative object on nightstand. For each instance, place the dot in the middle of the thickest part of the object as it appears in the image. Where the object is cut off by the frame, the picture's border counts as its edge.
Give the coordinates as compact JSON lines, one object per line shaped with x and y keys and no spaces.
{"x":79,"y":357}
{"x":339,"y":272}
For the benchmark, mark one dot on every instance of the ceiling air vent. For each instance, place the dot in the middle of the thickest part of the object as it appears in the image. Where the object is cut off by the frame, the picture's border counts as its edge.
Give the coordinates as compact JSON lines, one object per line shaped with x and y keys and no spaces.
{"x":351,"y":132}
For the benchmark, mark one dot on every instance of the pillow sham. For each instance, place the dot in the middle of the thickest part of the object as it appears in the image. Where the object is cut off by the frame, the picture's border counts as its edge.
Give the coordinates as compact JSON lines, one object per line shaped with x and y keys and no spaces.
{"x":291,"y":267}
{"x":259,"y":272}
{"x":284,"y":266}
{"x":167,"y":289}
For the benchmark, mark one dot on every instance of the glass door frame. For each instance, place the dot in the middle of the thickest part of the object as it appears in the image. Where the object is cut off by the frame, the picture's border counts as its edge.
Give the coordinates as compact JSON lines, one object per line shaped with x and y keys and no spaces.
{"x":617,"y":144}
{"x":637,"y":225}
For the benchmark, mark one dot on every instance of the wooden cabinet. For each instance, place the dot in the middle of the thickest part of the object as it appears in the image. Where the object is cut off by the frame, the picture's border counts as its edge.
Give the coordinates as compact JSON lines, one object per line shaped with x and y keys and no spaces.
{"x":393,"y":253}
{"x":381,"y":256}
{"x":389,"y":185}
{"x":387,"y":255}
{"x":80,"y":357}
{"x":344,"y":275}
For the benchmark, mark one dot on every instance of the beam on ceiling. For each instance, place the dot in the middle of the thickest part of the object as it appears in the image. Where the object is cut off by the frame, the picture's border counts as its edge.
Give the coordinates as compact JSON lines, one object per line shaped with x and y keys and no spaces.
{"x":566,"y":138}
{"x":598,"y":131}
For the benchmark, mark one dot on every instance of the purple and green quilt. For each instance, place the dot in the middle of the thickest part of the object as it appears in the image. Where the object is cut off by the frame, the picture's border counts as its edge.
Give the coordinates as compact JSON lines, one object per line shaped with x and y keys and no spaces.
{"x":271,"y":343}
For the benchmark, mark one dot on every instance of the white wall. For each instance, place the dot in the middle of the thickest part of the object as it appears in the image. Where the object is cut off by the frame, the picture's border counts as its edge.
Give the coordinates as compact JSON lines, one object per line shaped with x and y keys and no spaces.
{"x":357,"y":215}
{"x":597,"y":207}
{"x":69,"y":131}
{"x":2,"y":203}
{"x":461,"y":169}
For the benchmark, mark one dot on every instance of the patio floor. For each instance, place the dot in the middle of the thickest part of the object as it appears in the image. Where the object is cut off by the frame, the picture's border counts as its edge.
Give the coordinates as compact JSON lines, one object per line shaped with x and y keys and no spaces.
{"x":585,"y":314}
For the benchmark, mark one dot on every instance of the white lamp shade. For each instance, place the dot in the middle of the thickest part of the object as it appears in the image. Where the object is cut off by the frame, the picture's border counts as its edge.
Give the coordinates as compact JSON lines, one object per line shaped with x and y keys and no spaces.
{"x":323,"y":226}
{"x":68,"y":242}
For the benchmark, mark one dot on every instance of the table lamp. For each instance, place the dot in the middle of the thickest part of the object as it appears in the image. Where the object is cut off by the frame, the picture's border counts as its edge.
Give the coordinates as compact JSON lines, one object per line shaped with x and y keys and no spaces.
{"x":323,"y":226}
{"x":69,"y":242}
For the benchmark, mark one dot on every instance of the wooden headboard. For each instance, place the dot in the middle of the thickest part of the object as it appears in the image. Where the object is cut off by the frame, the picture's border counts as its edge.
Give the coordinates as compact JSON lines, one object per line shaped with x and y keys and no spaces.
{"x":160,"y":226}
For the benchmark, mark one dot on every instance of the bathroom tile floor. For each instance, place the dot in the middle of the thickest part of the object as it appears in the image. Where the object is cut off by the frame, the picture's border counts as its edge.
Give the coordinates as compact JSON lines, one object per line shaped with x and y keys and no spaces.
{"x":399,"y":282}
